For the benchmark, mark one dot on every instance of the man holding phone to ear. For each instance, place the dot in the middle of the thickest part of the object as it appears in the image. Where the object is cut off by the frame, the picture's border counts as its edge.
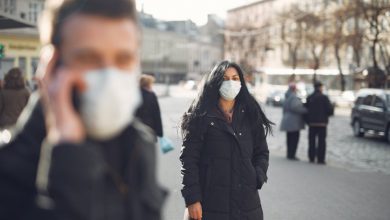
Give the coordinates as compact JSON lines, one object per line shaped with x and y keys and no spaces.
{"x":81,"y":145}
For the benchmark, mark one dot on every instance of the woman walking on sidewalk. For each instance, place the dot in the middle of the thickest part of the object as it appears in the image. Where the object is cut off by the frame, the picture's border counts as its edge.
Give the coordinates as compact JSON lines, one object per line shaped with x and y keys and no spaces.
{"x":225,"y":153}
{"x":292,"y":121}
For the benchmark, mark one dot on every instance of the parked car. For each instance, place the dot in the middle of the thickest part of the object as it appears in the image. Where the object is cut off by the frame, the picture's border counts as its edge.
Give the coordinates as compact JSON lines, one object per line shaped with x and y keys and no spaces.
{"x":371,"y":112}
{"x":276,"y":98}
{"x":190,"y":85}
{"x":345,"y":99}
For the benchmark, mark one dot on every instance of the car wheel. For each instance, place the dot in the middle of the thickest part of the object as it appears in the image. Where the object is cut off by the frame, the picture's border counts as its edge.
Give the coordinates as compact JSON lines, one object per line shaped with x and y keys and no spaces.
{"x":388,"y":134}
{"x":357,"y":129}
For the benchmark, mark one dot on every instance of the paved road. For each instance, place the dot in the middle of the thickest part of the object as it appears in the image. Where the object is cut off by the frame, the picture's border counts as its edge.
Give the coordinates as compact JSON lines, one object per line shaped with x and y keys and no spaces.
{"x":342,"y":190}
{"x":371,"y":153}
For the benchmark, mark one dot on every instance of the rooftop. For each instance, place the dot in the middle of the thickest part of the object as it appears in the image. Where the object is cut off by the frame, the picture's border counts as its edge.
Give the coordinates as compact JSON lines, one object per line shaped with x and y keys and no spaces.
{"x":249,"y":5}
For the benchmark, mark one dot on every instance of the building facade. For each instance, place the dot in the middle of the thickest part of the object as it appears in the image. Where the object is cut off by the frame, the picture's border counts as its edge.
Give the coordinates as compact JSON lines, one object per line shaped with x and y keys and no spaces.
{"x":21,"y":46}
{"x":171,"y":50}
{"x":272,"y":37}
{"x":179,"y":50}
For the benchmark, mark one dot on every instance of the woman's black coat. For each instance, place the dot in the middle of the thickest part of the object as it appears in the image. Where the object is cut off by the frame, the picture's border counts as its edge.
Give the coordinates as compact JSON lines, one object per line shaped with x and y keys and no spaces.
{"x":224,"y":165}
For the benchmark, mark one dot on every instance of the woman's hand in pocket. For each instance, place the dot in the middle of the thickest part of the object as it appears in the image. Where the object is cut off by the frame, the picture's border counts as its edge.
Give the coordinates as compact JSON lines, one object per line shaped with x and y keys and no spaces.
{"x":195,"y":211}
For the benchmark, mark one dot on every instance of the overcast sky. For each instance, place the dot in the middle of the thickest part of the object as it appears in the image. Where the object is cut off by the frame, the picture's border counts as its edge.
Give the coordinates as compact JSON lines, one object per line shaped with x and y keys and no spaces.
{"x":196,"y":10}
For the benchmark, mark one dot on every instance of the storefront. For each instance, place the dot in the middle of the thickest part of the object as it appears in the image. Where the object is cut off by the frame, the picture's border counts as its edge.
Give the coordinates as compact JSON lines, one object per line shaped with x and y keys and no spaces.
{"x":21,"y":50}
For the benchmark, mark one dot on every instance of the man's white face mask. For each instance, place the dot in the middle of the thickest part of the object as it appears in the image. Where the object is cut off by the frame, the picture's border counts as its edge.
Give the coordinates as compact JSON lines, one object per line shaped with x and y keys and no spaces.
{"x":109,"y":103}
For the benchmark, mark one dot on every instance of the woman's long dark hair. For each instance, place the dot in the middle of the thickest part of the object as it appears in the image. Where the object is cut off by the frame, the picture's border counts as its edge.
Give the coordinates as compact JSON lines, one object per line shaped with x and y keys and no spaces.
{"x":14,"y":79}
{"x":209,"y":96}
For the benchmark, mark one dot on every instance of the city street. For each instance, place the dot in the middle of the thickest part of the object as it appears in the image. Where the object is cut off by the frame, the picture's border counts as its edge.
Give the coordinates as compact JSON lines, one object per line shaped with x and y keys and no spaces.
{"x":88,"y":59}
{"x":354,"y":185}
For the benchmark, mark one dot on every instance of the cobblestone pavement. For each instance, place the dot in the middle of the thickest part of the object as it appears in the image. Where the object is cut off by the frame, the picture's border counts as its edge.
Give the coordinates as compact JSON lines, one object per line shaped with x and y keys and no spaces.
{"x":371,"y":153}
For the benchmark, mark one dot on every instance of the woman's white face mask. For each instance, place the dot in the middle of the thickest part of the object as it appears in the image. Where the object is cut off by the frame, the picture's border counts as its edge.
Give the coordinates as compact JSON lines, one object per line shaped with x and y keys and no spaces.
{"x":230,"y":89}
{"x":110,"y":101}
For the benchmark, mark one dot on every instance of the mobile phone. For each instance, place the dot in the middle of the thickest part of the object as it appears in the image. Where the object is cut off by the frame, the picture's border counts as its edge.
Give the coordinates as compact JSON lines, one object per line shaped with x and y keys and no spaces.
{"x":75,"y":94}
{"x":76,"y":99}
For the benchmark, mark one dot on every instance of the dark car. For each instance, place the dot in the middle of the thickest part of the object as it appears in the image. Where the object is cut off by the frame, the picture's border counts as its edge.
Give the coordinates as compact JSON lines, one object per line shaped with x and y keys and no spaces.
{"x":371,"y":112}
{"x":276,"y":98}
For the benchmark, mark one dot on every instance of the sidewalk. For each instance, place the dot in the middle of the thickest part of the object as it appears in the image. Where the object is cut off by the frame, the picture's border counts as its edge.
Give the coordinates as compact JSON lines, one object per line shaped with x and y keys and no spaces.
{"x":304,"y":191}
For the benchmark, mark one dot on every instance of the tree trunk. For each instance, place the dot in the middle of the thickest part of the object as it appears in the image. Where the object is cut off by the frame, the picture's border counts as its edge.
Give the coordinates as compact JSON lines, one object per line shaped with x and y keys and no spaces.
{"x":373,"y":51}
{"x":316,"y":67}
{"x":338,"y":58}
{"x":316,"y":63}
{"x":386,"y":62}
{"x":356,"y":52}
{"x":356,"y":39}
{"x":314,"y":76}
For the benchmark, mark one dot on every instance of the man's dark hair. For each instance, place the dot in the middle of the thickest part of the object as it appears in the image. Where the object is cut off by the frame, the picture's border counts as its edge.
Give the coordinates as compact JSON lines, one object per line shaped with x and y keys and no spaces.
{"x":58,"y":11}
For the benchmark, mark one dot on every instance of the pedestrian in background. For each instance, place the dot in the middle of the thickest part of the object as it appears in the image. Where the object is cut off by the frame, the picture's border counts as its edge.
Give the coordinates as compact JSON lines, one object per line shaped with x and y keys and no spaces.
{"x":80,"y":153}
{"x":292,"y":120}
{"x":319,"y":109}
{"x":13,"y":97}
{"x":149,"y":112}
{"x":225,"y":153}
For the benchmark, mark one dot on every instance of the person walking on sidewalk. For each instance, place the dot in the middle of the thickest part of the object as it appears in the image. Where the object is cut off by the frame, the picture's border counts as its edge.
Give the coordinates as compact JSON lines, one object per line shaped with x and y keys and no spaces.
{"x":292,"y":121}
{"x":13,"y":98}
{"x":149,"y":112}
{"x":319,"y":109}
{"x":225,"y":154}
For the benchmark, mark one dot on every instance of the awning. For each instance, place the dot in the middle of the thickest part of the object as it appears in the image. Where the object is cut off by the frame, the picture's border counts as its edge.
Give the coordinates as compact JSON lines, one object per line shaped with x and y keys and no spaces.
{"x":7,"y":22}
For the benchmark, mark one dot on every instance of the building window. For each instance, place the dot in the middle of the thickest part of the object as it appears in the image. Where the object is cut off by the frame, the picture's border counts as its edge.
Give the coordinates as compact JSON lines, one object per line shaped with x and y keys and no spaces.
{"x":34,"y":64}
{"x":22,"y":64}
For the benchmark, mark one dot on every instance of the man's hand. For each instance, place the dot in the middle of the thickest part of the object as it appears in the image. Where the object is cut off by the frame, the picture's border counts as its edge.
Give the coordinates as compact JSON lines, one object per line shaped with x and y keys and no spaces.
{"x":195,"y":211}
{"x":63,"y":123}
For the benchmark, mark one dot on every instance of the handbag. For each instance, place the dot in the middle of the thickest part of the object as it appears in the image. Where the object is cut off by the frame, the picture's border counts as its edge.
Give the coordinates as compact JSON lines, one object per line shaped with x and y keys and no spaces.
{"x":165,"y":145}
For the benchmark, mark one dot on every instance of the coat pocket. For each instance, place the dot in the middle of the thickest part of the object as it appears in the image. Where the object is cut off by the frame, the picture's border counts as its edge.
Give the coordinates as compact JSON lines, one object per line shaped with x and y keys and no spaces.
{"x":249,"y":173}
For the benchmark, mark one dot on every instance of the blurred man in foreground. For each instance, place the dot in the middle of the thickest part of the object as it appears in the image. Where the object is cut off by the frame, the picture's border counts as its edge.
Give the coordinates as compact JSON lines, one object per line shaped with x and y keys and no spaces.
{"x":79,"y":152}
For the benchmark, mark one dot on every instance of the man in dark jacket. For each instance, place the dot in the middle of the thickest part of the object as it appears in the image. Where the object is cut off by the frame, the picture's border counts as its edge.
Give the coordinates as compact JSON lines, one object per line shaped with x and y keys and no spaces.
{"x":319,"y":109}
{"x":77,"y":151}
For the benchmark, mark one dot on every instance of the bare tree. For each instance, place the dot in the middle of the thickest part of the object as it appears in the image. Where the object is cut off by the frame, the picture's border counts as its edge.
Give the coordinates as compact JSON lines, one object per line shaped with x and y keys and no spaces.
{"x":338,"y":38}
{"x":384,"y":46}
{"x":342,"y":14}
{"x":374,"y":13}
{"x":292,"y":34}
{"x":355,"y":39}
{"x":317,"y":38}
{"x":385,"y":56}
